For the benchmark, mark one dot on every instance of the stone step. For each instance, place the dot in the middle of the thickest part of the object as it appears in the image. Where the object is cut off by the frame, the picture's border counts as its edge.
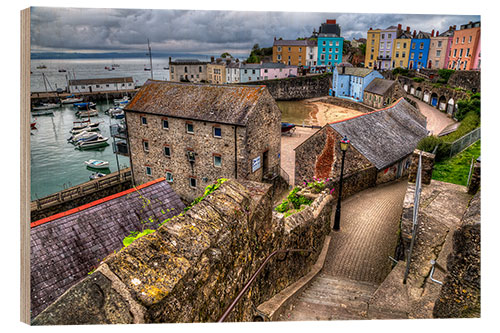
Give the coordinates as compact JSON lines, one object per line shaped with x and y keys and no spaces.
{"x":305,"y":311}
{"x":347,"y":284}
{"x":336,"y":296}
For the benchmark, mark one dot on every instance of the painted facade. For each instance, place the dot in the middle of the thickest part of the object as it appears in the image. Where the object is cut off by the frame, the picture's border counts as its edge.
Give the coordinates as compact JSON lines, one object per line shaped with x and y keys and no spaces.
{"x":216,"y":72}
{"x":401,"y":50}
{"x":270,"y":71}
{"x":387,"y":37}
{"x":290,"y":52}
{"x":465,"y":46}
{"x":419,"y":50}
{"x":440,"y":49}
{"x":311,"y":53}
{"x":477,"y":58}
{"x":329,"y":50}
{"x":350,"y":82}
{"x":233,"y":72}
{"x":372,"y":48}
{"x":250,"y":72}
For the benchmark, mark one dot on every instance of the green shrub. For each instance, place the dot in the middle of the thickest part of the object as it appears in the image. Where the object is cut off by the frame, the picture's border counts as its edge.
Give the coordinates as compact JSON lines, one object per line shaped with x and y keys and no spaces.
{"x":294,"y":199}
{"x":473,"y":104}
{"x":429,"y":143}
{"x":418,"y":79}
{"x":444,"y":75}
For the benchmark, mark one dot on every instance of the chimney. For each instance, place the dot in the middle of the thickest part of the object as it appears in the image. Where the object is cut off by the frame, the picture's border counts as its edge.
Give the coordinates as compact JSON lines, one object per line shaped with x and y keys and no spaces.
{"x":454,"y":27}
{"x":237,"y":60}
{"x":212,"y":59}
{"x":169,"y":60}
{"x":437,"y":34}
{"x":432,"y":33}
{"x":370,"y":28}
{"x":408,"y":29}
{"x":274,"y":37}
{"x":331,"y":21}
{"x":399,"y":26}
{"x":228,"y":61}
{"x":450,"y":27}
{"x":414,"y":33}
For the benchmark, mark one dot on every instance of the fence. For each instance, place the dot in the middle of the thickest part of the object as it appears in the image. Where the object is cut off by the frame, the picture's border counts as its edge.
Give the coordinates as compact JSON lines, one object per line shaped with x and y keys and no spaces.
{"x":465,"y":141}
{"x":416,"y":202}
{"x":82,"y":189}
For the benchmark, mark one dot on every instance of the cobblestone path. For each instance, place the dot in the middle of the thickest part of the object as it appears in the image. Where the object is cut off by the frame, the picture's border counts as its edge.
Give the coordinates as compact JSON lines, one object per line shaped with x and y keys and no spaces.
{"x":358,"y":257}
{"x":436,"y":120}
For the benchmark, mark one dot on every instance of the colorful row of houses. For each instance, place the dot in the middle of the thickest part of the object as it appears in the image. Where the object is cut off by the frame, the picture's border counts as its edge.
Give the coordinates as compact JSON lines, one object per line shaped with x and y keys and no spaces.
{"x":227,"y":70}
{"x":323,"y":49}
{"x":394,"y":47}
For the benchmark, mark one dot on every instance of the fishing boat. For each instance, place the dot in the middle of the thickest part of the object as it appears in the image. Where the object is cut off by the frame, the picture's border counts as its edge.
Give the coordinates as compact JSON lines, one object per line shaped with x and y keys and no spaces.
{"x":121,"y":101}
{"x":33,"y":125}
{"x":118,"y":115}
{"x":42,"y":66}
{"x":72,"y":99}
{"x":61,"y":70}
{"x":287,"y":128}
{"x":87,"y":113}
{"x":84,"y":106}
{"x":42,"y":113}
{"x":79,"y":125}
{"x":83,"y":136}
{"x":45,"y":106}
{"x":99,"y":142}
{"x":96,"y":175}
{"x":97,"y":164}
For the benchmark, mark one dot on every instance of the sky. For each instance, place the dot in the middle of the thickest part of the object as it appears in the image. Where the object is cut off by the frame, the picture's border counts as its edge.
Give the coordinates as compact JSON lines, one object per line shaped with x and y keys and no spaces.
{"x":201,"y":31}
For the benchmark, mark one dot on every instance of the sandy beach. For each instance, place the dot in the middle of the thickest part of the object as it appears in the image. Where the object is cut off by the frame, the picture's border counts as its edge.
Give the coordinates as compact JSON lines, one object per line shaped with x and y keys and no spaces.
{"x":325,"y":113}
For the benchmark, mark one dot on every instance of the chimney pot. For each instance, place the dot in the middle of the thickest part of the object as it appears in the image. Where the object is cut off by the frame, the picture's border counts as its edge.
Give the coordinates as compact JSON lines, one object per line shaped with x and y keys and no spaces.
{"x":169,"y":60}
{"x":399,"y":26}
{"x":212,"y":59}
{"x":454,"y":27}
{"x":432,"y":33}
{"x":408,"y":29}
{"x":437,"y":34}
{"x":414,"y":33}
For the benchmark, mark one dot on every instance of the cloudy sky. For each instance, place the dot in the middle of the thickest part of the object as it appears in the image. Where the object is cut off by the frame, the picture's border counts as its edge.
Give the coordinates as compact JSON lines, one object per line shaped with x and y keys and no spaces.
{"x":202,"y":31}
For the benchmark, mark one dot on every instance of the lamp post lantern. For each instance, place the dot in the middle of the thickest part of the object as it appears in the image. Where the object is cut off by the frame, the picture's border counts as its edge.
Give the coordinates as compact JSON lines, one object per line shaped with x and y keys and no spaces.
{"x":344,"y":144}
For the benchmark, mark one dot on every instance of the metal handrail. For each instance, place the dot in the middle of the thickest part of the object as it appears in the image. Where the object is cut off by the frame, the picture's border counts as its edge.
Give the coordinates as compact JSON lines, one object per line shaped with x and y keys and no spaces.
{"x":433,"y":263}
{"x":416,"y":202}
{"x":247,"y":285}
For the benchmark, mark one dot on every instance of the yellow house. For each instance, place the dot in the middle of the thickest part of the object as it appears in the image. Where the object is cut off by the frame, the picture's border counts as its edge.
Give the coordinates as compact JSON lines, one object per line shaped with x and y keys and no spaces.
{"x":290,"y":52}
{"x":401,"y":50}
{"x":216,"y":71}
{"x":372,"y":47}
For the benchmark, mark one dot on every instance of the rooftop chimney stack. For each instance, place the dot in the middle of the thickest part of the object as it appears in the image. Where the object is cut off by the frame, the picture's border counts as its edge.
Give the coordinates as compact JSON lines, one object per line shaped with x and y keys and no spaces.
{"x":437,"y":34}
{"x":454,"y":27}
{"x":414,"y":33}
{"x":370,"y":28}
{"x":212,"y":59}
{"x":169,"y":60}
{"x":432,"y":33}
{"x":408,"y":29}
{"x":399,"y":26}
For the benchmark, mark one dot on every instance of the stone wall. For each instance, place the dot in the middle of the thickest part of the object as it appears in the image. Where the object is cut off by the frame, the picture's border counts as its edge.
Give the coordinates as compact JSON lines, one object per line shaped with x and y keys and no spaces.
{"x":348,"y":104}
{"x":193,"y":266}
{"x":391,"y":172}
{"x":468,"y":80}
{"x":427,"y":167}
{"x":38,"y":214}
{"x":461,"y":292}
{"x":295,"y":88}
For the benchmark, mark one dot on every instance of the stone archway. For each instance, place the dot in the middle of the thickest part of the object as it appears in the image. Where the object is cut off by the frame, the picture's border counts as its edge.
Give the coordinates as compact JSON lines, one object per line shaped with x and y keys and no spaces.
{"x":434,"y":99}
{"x":412,"y":90}
{"x":442,"y":103}
{"x":451,"y":106}
{"x":418,"y":93}
{"x":405,"y":87}
{"x":427,"y":96}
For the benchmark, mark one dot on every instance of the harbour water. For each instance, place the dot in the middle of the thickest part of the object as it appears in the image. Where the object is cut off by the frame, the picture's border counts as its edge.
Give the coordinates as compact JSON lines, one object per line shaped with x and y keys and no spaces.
{"x":55,"y":163}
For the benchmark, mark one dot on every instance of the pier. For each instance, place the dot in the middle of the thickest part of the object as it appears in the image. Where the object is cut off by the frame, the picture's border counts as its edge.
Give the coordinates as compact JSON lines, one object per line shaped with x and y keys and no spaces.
{"x":81,"y":194}
{"x":55,"y":97}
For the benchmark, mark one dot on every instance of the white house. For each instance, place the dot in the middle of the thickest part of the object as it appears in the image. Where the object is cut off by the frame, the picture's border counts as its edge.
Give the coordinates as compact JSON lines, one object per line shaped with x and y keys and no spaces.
{"x":101,"y":85}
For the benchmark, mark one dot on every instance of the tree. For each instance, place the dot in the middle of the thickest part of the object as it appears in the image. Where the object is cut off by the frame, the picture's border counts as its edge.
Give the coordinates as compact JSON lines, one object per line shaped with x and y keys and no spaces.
{"x":226,"y":55}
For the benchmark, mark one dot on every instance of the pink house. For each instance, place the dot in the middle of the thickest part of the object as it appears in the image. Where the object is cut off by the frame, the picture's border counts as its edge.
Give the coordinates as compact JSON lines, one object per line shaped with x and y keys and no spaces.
{"x":271,"y":70}
{"x":477,"y":57}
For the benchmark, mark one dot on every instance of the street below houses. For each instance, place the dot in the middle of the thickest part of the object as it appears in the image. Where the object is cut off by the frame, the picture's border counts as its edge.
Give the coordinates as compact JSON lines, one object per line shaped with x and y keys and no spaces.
{"x":436,"y":120}
{"x":288,"y":144}
{"x":358,"y":257}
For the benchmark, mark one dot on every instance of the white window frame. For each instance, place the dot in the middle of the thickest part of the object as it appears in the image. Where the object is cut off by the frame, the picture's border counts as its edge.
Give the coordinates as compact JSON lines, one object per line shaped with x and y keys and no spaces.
{"x":187,"y":128}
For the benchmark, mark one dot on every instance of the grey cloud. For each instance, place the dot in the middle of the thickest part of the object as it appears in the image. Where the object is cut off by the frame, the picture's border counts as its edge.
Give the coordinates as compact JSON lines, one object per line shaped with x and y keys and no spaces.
{"x":94,"y":30}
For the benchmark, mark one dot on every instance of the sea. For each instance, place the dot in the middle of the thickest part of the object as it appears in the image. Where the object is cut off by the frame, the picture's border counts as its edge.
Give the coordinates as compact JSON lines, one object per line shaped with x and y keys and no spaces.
{"x":55,"y":163}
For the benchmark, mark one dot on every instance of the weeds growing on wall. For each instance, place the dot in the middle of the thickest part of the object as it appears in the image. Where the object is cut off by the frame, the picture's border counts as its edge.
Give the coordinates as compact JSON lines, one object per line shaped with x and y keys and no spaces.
{"x":293,"y":200}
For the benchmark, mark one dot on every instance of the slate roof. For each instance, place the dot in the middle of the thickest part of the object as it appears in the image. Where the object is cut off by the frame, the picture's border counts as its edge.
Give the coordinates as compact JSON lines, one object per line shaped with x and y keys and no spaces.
{"x":357,"y":71}
{"x":101,"y":80}
{"x":379,"y":86}
{"x":67,"y":246}
{"x":385,"y":136}
{"x":423,"y":35}
{"x":282,"y":42}
{"x":188,"y":62}
{"x":206,"y":102}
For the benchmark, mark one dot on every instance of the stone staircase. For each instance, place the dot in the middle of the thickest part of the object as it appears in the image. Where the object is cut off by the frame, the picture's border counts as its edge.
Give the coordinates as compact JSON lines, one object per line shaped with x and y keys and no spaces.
{"x":332,"y":298}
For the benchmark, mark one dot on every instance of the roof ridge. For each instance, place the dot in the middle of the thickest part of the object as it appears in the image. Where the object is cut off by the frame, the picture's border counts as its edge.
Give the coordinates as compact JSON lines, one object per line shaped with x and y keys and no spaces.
{"x":364,"y":114}
{"x":94,"y":203}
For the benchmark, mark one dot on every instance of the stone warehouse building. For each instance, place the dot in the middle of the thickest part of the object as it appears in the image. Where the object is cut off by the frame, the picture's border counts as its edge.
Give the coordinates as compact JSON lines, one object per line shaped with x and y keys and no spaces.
{"x":188,"y":70}
{"x":382,"y":142}
{"x":194,"y":134}
{"x":379,"y":93}
{"x":101,"y":84}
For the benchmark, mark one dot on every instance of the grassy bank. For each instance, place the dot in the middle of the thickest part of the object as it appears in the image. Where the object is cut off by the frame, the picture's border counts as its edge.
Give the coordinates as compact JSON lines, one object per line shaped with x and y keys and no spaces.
{"x":456,"y":169}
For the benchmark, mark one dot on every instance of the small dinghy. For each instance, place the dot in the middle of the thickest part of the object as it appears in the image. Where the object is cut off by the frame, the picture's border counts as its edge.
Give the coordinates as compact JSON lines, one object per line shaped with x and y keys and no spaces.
{"x":45,"y":106}
{"x":97,"y":164}
{"x":96,"y":175}
{"x":83,"y":136}
{"x":287,"y":128}
{"x":72,"y":99}
{"x":80,"y":125}
{"x":99,"y":142}
{"x":88,"y":113}
{"x":122,"y":101}
{"x":84,"y":106}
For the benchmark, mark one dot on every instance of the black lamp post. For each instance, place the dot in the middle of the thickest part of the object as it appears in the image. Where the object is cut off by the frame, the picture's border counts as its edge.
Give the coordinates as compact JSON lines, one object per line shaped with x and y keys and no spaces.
{"x":344,"y":144}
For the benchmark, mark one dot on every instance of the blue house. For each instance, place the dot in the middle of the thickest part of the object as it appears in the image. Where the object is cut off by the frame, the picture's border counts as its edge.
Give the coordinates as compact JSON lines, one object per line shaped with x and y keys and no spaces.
{"x":419,"y":50}
{"x":350,"y":82}
{"x":250,"y":72}
{"x":330,"y":45}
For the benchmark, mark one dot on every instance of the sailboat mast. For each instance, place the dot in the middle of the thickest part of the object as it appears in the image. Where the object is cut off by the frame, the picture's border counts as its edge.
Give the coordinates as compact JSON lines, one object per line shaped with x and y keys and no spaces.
{"x":44,"y":82}
{"x":150,"y":60}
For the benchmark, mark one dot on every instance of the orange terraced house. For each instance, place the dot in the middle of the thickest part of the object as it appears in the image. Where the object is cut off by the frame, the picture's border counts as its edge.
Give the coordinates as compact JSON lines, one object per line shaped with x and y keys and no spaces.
{"x":464,"y":46}
{"x":291,"y":52}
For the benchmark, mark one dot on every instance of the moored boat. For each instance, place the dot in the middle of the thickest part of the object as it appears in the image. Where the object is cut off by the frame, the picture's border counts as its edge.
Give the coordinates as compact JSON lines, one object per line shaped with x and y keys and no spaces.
{"x":287,"y":128}
{"x":79,"y":125}
{"x":121,"y":101}
{"x":83,"y":136}
{"x":96,"y":175}
{"x":97,"y":164}
{"x":42,"y":113}
{"x":45,"y":106}
{"x":33,"y":125}
{"x":84,"y":105}
{"x":72,"y":99}
{"x":100,"y":142}
{"x":88,"y":113}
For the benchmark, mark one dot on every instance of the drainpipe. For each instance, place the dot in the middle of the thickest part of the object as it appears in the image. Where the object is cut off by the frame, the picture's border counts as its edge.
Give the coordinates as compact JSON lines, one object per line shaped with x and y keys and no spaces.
{"x":235,"y":154}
